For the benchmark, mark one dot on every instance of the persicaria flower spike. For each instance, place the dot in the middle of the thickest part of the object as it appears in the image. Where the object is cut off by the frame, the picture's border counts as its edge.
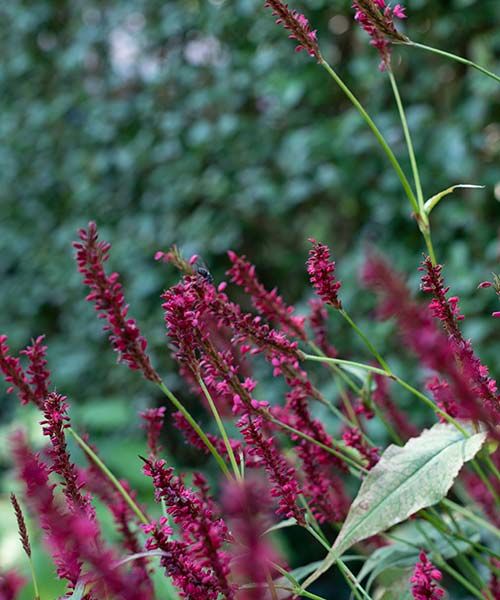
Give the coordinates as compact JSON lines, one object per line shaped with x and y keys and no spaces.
{"x":377,"y":19}
{"x":153,"y":422}
{"x":21,"y":526}
{"x":15,"y":376}
{"x":107,"y":295}
{"x":322,"y":274}
{"x":298,"y":26}
{"x":424,"y":578}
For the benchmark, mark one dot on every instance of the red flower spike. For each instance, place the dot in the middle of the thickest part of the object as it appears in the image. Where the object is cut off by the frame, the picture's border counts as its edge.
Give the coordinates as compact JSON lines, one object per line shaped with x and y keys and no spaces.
{"x":298,"y":26}
{"x":424,"y":578}
{"x":107,"y":295}
{"x":15,"y":376}
{"x":322,"y":274}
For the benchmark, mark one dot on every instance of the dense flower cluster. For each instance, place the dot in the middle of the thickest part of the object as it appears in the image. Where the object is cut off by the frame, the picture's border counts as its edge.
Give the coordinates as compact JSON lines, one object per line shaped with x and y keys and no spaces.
{"x":377,"y":19}
{"x":16,"y":377}
{"x":107,"y":295}
{"x":322,"y":274}
{"x":21,"y":525}
{"x":10,"y":585}
{"x":424,"y":578}
{"x":298,"y":26}
{"x":203,"y":533}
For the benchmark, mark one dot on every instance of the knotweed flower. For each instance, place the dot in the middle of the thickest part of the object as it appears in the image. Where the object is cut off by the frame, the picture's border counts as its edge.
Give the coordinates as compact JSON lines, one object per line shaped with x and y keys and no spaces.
{"x":322,"y":274}
{"x":11,"y":583}
{"x":424,"y":578}
{"x":352,"y":437}
{"x":377,"y":19}
{"x":15,"y":376}
{"x":268,"y":303}
{"x":195,"y":582}
{"x":107,"y":295}
{"x":153,"y":423}
{"x":444,"y":397}
{"x":55,"y":421}
{"x":298,"y":26}
{"x":447,"y":312}
{"x":37,"y":371}
{"x":247,"y":510}
{"x":201,"y":530}
{"x":282,"y":475}
{"x":21,"y":525}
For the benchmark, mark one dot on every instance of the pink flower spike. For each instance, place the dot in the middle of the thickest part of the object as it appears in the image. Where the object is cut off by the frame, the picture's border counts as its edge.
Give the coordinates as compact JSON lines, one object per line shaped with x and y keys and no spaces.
{"x":424,"y":579}
{"x":322,"y":274}
{"x":298,"y":26}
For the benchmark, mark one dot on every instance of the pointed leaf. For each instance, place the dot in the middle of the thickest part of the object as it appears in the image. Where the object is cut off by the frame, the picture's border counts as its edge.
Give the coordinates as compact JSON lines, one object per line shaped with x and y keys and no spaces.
{"x":434,"y":201}
{"x":404,"y":481}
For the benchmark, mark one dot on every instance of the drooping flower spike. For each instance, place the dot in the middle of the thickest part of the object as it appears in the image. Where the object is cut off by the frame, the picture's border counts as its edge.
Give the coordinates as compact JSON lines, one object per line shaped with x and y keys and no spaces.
{"x":298,"y":26}
{"x":377,"y":19}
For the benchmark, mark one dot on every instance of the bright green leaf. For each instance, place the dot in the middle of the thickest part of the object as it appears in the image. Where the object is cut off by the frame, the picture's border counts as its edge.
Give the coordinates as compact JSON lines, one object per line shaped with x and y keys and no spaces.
{"x":434,"y":201}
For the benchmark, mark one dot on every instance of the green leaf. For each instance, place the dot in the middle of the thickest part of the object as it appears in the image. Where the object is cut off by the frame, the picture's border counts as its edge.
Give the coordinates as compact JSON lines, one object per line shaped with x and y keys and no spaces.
{"x":434,"y":201}
{"x":404,"y":481}
{"x":281,"y":525}
{"x":400,"y":554}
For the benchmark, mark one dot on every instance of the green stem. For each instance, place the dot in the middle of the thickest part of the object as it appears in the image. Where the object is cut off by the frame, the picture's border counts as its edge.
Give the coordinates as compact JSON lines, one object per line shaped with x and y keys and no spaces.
{"x":97,"y":461}
{"x":380,"y":138}
{"x":347,"y":363}
{"x":366,"y":341}
{"x":34,"y":580}
{"x":221,"y":427}
{"x":409,"y":142}
{"x":352,"y":581}
{"x":455,"y":57}
{"x":201,"y":434}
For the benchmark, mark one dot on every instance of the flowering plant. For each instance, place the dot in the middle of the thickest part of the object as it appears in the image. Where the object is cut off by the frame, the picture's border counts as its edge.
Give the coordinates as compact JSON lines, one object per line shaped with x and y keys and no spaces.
{"x":422,"y":509}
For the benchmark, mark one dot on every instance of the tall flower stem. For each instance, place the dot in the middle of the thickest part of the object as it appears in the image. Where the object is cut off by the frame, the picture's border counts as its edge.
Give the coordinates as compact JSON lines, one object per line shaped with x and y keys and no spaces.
{"x":423,"y":218}
{"x":455,"y":57}
{"x":201,"y":434}
{"x":112,"y":478}
{"x":376,"y":132}
{"x":221,"y":427}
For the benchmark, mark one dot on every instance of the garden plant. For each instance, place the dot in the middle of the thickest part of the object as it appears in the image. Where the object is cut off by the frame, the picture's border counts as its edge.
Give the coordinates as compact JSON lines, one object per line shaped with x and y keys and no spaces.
{"x":417,"y":517}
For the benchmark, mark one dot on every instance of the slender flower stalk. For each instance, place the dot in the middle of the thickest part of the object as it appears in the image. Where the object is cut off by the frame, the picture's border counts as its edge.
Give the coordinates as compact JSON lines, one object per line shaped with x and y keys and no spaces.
{"x":107,"y":295}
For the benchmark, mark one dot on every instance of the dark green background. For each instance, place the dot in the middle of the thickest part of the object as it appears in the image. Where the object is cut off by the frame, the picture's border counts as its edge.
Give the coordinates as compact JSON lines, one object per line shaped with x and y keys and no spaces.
{"x":194,"y":122}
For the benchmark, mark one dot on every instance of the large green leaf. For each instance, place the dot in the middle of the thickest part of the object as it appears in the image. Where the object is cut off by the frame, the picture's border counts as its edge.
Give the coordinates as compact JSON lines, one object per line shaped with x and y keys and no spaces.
{"x":404,"y":481}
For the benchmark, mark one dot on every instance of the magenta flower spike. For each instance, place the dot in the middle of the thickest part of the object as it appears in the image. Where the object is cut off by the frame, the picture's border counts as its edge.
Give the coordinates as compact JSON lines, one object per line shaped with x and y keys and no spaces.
{"x":321,"y":271}
{"x":298,"y":26}
{"x":107,"y":295}
{"x":424,"y":580}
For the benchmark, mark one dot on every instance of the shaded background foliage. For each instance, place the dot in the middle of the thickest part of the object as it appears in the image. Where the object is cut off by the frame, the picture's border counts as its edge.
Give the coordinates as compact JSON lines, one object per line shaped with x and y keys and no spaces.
{"x":194,"y":122}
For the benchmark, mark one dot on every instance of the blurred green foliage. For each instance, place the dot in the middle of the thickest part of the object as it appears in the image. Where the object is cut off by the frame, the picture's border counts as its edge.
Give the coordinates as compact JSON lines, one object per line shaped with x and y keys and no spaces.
{"x":194,"y":122}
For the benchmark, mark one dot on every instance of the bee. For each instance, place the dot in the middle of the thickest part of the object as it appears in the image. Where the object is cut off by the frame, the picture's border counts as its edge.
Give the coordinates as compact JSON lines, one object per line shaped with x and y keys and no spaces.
{"x":202,"y":271}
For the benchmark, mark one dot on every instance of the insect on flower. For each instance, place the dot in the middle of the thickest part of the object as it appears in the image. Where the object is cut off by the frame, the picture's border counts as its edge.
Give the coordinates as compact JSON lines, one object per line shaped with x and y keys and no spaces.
{"x":202,"y":270}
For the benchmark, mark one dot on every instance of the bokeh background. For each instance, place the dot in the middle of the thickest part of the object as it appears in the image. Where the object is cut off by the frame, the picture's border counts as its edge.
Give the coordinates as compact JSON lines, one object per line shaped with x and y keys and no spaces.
{"x":194,"y":122}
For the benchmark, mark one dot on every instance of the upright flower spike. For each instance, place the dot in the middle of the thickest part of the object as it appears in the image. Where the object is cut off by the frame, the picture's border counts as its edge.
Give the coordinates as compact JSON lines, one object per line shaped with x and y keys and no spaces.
{"x":377,"y":19}
{"x":424,"y":580}
{"x":269,"y":303}
{"x":21,"y":525}
{"x":54,"y":423}
{"x":321,"y":271}
{"x":298,"y":26}
{"x":107,"y":295}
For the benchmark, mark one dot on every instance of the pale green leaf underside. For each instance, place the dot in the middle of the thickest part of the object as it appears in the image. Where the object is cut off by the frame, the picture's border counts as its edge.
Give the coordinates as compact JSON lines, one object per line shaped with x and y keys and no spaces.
{"x":405,"y":480}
